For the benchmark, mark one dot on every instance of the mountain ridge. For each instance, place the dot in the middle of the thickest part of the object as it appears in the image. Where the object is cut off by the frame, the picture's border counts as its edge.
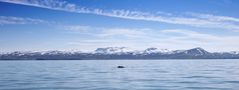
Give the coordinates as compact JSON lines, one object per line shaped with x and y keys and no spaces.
{"x":119,"y":53}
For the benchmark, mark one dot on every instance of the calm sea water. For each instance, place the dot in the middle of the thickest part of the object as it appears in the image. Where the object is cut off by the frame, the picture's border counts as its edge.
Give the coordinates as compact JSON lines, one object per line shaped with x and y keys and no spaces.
{"x":104,"y":75}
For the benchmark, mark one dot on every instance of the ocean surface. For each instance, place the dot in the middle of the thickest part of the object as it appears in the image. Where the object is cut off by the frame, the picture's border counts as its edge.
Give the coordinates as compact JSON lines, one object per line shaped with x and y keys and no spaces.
{"x":104,"y":75}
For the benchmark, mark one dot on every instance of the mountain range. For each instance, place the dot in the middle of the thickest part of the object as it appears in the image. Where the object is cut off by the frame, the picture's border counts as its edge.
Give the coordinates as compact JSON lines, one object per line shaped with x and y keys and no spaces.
{"x":119,"y":53}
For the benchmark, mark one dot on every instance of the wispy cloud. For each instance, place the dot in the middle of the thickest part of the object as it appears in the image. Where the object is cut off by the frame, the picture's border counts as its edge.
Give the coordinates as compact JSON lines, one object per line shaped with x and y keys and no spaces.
{"x":211,"y":42}
{"x":181,"y":34}
{"x":211,"y":17}
{"x":19,"y":20}
{"x":77,"y":28}
{"x":166,"y":38}
{"x":106,"y":32}
{"x":196,"y":20}
{"x":50,"y":4}
{"x":123,"y":32}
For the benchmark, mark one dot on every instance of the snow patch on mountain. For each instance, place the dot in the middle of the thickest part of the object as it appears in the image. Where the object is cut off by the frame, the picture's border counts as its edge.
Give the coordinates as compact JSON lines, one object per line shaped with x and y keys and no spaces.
{"x":196,"y":51}
{"x":113,"y":50}
{"x":234,"y":52}
{"x":156,"y":50}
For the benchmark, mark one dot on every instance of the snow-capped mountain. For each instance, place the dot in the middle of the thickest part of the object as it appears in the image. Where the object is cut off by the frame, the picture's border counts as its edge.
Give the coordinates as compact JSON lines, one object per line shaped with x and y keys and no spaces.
{"x":119,"y":53}
{"x":125,"y":50}
{"x":55,"y":52}
{"x":156,"y":50}
{"x":113,"y":50}
{"x":195,"y":51}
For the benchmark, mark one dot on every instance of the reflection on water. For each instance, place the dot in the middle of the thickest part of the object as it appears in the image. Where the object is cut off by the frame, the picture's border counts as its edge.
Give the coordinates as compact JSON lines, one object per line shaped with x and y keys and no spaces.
{"x":104,"y":74}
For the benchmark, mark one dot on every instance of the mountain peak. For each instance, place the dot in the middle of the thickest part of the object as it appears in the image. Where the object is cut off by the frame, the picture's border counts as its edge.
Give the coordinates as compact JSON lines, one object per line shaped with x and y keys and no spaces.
{"x":198,"y":48}
{"x":151,"y":49}
{"x":112,"y":50}
{"x":155,"y":50}
{"x":196,"y":51}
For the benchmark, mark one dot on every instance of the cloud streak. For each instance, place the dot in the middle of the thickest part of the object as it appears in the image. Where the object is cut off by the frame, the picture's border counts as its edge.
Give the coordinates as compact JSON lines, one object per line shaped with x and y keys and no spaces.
{"x":166,"y":38}
{"x":106,"y":32}
{"x":195,"y":20}
{"x":5,"y":20}
{"x":132,"y":33}
{"x":77,"y":28}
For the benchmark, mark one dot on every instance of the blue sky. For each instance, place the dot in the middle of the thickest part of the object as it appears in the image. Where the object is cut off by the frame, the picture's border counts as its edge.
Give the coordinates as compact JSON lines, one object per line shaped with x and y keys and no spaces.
{"x":27,"y":25}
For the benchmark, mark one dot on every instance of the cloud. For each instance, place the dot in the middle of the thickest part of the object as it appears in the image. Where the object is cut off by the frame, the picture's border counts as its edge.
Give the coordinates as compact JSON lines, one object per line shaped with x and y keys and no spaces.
{"x":106,"y":32}
{"x":195,"y":20}
{"x":77,"y":28}
{"x":19,"y":20}
{"x":49,"y":4}
{"x":167,"y":38}
{"x":211,"y":17}
{"x":123,"y":32}
{"x":209,"y":41}
{"x":148,"y":34}
{"x":188,"y":34}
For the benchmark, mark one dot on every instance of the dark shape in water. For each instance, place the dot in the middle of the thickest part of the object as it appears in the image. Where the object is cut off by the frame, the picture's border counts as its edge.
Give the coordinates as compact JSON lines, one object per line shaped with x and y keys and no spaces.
{"x":120,"y":67}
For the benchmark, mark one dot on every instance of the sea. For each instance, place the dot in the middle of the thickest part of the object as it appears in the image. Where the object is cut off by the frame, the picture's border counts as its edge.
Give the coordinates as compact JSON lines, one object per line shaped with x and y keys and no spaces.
{"x":178,"y":74}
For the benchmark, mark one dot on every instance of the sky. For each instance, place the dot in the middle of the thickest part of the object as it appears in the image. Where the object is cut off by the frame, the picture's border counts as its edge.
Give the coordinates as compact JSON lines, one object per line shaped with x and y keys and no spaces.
{"x":39,"y":25}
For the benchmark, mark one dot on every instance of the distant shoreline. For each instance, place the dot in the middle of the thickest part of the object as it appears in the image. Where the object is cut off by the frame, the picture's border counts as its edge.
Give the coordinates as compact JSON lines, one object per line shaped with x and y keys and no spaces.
{"x":111,"y":53}
{"x":107,"y":59}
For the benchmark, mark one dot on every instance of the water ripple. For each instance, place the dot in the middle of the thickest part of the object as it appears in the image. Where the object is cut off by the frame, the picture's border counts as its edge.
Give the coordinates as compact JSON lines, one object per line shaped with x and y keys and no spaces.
{"x":103,"y":75}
